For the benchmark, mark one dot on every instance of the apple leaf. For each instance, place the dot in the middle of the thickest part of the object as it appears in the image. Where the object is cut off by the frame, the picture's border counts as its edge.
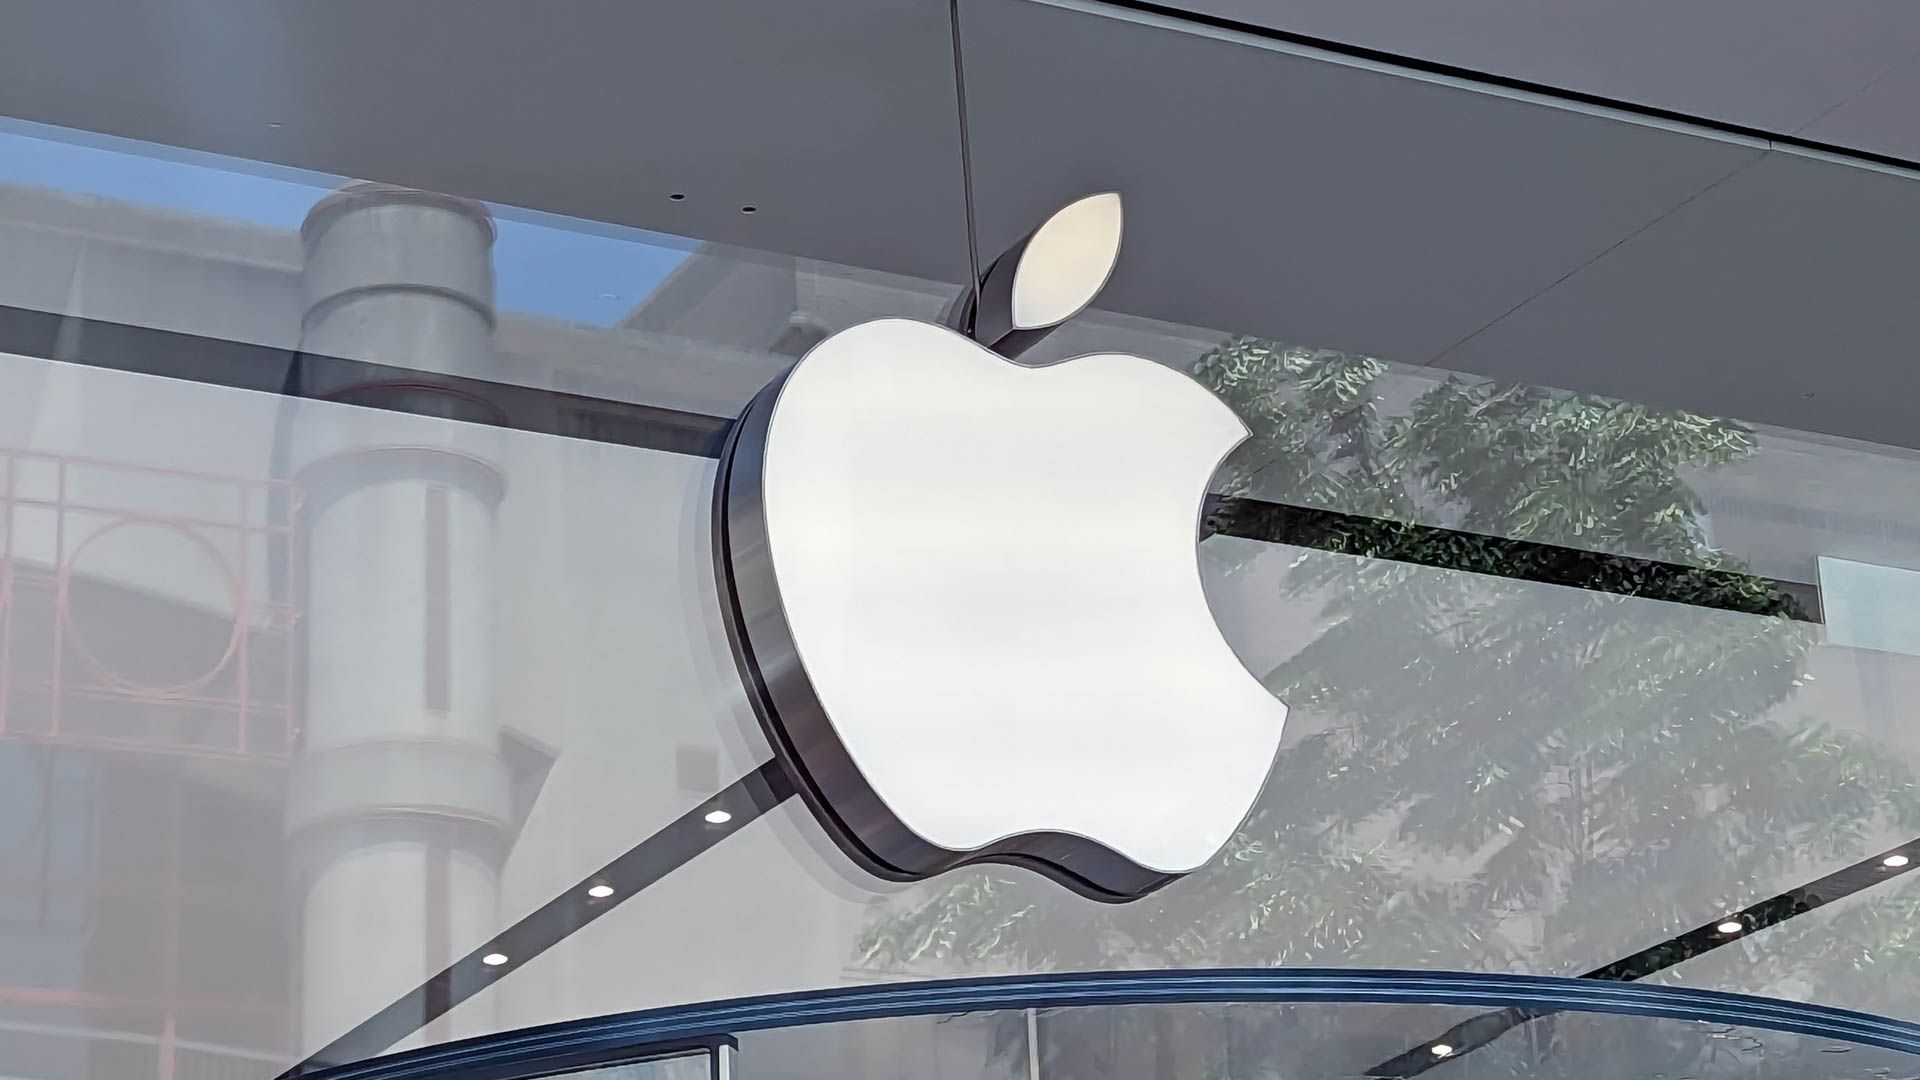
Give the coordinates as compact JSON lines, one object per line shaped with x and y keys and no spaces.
{"x":1066,"y":262}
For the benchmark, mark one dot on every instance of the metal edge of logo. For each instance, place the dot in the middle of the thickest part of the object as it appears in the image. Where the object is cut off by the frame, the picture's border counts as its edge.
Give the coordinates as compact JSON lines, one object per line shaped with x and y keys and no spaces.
{"x":801,"y":734}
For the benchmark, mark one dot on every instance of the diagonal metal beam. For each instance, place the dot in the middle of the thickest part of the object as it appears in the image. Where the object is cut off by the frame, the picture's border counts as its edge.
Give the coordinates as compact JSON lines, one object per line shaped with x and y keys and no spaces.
{"x":694,"y":832}
{"x":1472,"y":1034}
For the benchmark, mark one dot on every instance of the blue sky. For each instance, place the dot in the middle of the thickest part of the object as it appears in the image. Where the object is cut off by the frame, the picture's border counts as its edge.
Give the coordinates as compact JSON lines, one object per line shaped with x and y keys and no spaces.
{"x":543,"y":264}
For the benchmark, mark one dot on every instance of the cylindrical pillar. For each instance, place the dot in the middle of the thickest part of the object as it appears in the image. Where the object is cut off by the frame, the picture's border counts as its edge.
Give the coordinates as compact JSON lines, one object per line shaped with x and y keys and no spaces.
{"x":400,"y":809}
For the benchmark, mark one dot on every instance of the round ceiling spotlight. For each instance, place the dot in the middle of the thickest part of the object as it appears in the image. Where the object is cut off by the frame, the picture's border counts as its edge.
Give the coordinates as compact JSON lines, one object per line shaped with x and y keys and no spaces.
{"x":718,"y":817}
{"x":1730,"y":927}
{"x":1442,"y":1050}
{"x":600,"y":892}
{"x":749,"y":209}
{"x":678,"y":196}
{"x":1895,"y":862}
{"x":494,"y":959}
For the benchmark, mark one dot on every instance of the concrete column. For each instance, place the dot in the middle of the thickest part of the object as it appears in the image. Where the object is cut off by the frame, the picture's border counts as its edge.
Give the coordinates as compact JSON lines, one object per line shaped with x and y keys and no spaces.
{"x":400,"y":810}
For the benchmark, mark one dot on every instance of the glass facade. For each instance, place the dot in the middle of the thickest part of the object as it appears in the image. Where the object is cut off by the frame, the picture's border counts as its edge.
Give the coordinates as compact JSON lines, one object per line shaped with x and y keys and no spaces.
{"x":360,"y":406}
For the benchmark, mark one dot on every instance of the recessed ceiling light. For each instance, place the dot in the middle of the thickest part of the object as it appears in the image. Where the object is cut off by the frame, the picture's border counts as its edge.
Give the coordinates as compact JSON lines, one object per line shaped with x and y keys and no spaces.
{"x":1441,"y":1050}
{"x":1895,"y":861}
{"x":718,"y":817}
{"x":1730,"y":927}
{"x":494,"y":959}
{"x":600,"y":892}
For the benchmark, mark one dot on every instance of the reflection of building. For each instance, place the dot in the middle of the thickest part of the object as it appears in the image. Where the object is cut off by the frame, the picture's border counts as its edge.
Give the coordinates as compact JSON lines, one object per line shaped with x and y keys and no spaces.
{"x":301,"y":699}
{"x":400,"y":804}
{"x":144,"y":736}
{"x":286,"y":629}
{"x":299,"y":702}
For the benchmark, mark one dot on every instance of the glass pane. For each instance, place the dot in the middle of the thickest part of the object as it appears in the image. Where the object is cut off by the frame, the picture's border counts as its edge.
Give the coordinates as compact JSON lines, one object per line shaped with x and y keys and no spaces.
{"x":686,"y":1067}
{"x":305,"y":698}
{"x":1855,"y":953}
{"x":558,"y":689}
{"x":116,"y":237}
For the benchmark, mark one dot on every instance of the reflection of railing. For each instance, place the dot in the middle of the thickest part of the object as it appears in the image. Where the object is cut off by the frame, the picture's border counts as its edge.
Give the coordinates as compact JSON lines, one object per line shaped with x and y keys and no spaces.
{"x":87,"y":907}
{"x":94,"y":653}
{"x":127,"y":1054}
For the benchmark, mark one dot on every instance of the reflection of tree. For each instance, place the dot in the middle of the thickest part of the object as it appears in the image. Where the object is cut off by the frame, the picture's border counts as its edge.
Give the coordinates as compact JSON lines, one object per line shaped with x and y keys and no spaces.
{"x":1495,"y":771}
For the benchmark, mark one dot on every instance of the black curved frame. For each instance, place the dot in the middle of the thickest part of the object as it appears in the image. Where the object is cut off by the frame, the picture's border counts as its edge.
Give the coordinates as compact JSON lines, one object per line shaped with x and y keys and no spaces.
{"x":654,"y":1033}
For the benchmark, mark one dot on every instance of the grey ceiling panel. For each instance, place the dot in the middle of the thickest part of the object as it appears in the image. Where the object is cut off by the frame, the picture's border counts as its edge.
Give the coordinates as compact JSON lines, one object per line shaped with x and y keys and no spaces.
{"x":1778,"y":65}
{"x":1879,"y":118}
{"x":837,"y":121}
{"x":1310,"y":200}
{"x":1784,"y":295}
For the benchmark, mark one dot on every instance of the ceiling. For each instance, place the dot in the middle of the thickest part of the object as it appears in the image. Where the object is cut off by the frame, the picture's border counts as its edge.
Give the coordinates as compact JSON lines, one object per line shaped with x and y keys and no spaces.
{"x":836,"y":122}
{"x":1825,"y":71}
{"x":1272,"y":188}
{"x":1332,"y":203}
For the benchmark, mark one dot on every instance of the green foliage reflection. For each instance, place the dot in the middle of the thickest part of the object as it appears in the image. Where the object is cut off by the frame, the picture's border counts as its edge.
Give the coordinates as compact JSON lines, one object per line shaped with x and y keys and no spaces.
{"x":1480,"y":772}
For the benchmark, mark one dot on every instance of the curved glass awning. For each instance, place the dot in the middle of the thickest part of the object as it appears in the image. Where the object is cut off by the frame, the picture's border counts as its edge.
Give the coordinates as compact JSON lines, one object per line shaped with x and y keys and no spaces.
{"x":1221,"y":1022}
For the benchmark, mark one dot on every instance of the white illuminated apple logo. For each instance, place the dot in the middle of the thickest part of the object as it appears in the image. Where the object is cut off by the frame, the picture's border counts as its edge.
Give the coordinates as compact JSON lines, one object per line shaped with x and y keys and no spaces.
{"x":966,"y":598}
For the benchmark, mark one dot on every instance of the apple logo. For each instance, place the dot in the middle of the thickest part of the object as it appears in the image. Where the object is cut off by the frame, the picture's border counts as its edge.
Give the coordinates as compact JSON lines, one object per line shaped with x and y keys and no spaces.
{"x":965,"y":595}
